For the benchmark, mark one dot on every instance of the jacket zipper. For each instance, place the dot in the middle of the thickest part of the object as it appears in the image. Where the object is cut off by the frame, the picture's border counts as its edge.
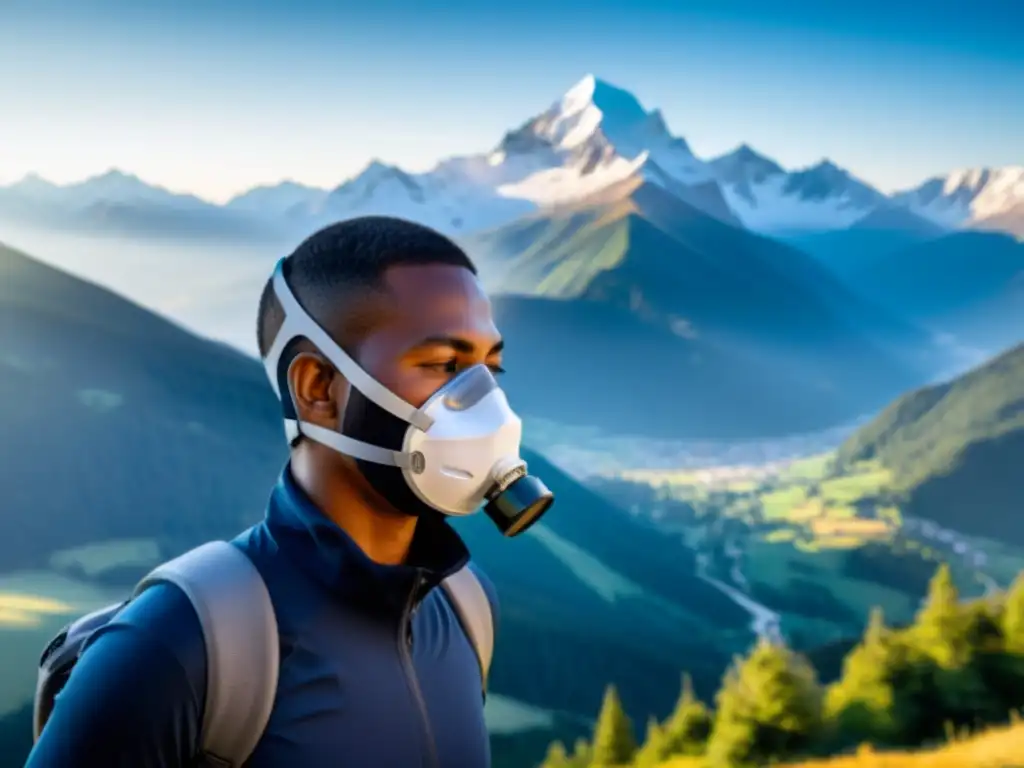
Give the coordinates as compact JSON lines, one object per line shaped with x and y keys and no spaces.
{"x":405,"y":641}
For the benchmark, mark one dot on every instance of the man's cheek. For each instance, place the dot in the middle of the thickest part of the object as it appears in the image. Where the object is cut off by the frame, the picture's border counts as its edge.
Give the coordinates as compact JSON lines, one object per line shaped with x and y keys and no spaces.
{"x":416,"y":389}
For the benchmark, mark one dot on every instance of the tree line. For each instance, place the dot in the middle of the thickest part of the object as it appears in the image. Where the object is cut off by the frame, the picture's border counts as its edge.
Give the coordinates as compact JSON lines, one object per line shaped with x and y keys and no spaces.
{"x":957,"y":668}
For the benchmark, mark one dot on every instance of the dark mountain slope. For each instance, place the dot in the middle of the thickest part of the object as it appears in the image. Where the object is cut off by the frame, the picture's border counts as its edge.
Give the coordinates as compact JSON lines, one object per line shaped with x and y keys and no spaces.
{"x":754,"y":336}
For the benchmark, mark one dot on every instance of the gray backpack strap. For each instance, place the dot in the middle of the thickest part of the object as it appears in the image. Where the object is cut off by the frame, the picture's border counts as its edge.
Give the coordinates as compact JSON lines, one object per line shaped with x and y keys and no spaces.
{"x":473,"y":608}
{"x":242,"y":645}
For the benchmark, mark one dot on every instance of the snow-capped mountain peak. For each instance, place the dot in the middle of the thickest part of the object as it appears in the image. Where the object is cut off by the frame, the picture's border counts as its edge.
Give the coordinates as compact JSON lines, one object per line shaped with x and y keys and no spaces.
{"x":371,"y":179}
{"x":598,"y":126}
{"x":826,"y":179}
{"x":744,"y":165}
{"x":34,"y":187}
{"x":284,"y":197}
{"x":966,"y":196}
{"x":591,"y":105}
{"x":116,"y":185}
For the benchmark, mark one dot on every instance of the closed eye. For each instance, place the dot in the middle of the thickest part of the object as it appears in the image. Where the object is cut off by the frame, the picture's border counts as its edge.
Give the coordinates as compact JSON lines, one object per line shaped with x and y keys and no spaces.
{"x":451,"y":367}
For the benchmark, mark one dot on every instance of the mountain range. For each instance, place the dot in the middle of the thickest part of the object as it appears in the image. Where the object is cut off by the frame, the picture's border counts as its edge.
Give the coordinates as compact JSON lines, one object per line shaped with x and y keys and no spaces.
{"x":596,"y":136}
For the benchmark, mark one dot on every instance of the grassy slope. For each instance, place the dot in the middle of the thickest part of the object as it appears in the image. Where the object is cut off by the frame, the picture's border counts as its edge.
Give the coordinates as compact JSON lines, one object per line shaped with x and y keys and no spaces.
{"x":997,"y":748}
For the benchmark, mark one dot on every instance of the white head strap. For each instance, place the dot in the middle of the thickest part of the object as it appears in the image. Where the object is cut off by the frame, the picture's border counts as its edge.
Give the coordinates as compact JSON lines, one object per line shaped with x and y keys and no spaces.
{"x":297,"y":323}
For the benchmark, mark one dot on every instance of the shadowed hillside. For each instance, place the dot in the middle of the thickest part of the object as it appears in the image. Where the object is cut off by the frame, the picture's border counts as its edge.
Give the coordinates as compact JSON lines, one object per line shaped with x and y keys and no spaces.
{"x":884,"y":231}
{"x":715,"y":313}
{"x":970,"y":284}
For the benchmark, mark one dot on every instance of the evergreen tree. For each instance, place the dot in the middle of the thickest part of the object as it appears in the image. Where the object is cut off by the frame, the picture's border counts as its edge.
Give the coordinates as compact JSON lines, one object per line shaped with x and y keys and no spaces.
{"x":581,"y":754}
{"x":769,"y":707}
{"x":861,"y":703}
{"x":688,"y":727}
{"x":614,"y":742}
{"x":1013,"y":617}
{"x":653,"y":751}
{"x":939,"y":628}
{"x":556,"y":757}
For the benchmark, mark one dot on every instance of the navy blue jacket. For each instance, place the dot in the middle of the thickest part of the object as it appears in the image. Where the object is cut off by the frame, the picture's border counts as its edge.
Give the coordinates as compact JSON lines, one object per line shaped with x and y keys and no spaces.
{"x":376,"y":671}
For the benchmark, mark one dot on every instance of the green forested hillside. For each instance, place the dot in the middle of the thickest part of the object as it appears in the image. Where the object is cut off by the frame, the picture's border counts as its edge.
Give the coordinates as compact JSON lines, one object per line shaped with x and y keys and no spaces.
{"x":955,"y":449}
{"x":958,"y":667}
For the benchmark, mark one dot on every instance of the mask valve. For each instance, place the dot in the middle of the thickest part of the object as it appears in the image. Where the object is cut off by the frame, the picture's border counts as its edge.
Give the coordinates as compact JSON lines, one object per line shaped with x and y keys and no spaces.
{"x":518,"y":499}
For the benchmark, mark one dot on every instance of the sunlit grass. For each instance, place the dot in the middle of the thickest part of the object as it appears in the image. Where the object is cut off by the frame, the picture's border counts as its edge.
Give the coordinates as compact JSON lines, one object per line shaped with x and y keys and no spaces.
{"x":857,"y":528}
{"x":780,"y":503}
{"x":804,"y":470}
{"x":851,"y":488}
{"x":996,"y":748}
{"x":23,"y":611}
{"x":34,"y":605}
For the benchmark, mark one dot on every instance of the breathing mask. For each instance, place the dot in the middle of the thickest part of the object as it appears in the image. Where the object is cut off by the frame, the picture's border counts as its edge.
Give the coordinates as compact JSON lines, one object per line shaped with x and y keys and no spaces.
{"x":457,"y":452}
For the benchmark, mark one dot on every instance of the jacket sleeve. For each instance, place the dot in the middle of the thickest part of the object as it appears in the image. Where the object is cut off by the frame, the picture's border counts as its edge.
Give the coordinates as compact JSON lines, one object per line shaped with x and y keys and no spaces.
{"x":135,"y":697}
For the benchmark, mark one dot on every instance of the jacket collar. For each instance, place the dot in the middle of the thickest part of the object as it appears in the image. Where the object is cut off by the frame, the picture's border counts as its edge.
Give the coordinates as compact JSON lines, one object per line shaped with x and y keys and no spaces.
{"x":328,"y":554}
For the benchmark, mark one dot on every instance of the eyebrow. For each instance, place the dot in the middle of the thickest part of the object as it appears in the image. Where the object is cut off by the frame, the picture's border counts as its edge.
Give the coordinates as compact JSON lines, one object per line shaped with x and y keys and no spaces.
{"x":454,"y":342}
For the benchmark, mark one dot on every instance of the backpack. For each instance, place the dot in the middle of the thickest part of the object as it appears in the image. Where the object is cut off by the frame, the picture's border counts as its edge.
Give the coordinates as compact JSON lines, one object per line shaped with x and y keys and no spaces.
{"x":241,"y":635}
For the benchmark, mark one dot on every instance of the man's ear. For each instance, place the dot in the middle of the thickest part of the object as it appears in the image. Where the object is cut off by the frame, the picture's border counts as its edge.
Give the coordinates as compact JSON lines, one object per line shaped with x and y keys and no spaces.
{"x":318,"y":390}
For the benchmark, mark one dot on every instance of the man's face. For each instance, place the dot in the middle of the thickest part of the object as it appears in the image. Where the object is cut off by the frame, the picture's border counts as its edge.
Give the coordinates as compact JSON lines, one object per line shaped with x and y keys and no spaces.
{"x":435,"y":321}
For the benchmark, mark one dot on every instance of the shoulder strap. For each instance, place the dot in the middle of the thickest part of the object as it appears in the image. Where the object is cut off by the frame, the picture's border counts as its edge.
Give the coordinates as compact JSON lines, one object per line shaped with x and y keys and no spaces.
{"x":473,"y":608}
{"x":242,"y":644}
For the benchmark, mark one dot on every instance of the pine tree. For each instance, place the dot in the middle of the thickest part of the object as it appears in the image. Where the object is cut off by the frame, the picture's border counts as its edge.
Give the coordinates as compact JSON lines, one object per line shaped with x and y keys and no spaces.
{"x":653,"y":751}
{"x":556,"y":757}
{"x":861,"y":702}
{"x":687,"y":728}
{"x":769,"y":707}
{"x":939,"y":626}
{"x":614,"y":742}
{"x":950,"y":686}
{"x":1013,"y":617}
{"x":581,"y":754}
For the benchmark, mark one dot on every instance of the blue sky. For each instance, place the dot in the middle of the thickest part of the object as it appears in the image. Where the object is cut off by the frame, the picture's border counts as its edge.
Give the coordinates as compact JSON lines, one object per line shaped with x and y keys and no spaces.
{"x":217,"y":97}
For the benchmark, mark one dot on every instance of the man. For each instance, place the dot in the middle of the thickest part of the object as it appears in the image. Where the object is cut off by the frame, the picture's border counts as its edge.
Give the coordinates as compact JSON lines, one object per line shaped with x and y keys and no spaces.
{"x":375,"y":669}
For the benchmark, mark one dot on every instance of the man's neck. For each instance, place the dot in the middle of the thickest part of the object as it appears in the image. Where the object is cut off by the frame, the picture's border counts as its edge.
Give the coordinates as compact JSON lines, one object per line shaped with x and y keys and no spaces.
{"x":343,"y":496}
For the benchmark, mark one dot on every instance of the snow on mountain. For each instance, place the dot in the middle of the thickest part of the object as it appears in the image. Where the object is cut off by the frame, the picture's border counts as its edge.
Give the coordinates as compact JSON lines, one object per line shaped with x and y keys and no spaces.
{"x":967,"y":196}
{"x":35,"y":188}
{"x":111,"y":188}
{"x":451,"y":202}
{"x":767,"y":198}
{"x":593,"y":138}
{"x":744,"y":167}
{"x":275,"y":199}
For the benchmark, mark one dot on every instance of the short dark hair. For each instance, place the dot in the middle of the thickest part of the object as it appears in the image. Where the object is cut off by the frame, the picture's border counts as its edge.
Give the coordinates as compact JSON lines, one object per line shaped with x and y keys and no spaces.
{"x":347,"y":259}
